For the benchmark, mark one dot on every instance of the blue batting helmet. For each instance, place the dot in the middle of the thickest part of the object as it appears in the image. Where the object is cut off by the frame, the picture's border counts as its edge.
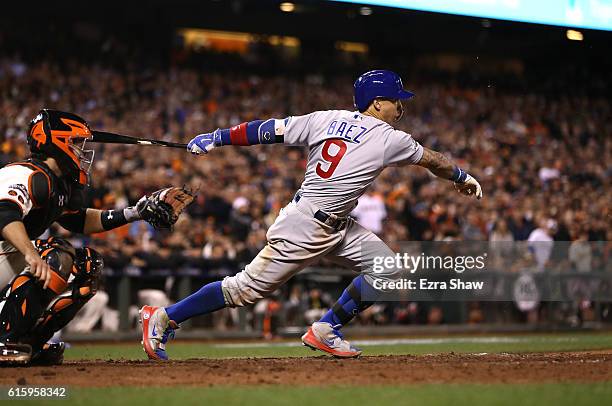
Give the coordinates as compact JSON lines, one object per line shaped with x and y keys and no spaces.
{"x":378,"y":83}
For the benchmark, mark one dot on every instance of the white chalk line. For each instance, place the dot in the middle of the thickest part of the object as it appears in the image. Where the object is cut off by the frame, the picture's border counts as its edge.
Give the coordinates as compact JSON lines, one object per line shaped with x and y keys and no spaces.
{"x":414,"y":341}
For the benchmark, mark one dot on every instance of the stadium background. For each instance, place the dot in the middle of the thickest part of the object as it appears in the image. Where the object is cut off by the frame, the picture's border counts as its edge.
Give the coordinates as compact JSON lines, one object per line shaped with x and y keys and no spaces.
{"x":520,"y":106}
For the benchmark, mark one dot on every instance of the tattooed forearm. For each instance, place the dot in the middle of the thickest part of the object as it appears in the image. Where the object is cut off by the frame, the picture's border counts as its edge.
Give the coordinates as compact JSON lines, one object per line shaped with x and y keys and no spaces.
{"x":437,"y":163}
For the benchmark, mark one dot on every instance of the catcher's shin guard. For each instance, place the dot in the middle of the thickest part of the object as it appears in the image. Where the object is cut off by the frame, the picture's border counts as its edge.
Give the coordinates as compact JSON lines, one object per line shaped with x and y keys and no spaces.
{"x":57,"y":315}
{"x":24,"y":299}
{"x":23,"y":302}
{"x":87,"y":268}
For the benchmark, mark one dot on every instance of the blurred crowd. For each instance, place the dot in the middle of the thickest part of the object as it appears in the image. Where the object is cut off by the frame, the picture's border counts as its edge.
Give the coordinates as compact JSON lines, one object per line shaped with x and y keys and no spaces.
{"x":544,"y":161}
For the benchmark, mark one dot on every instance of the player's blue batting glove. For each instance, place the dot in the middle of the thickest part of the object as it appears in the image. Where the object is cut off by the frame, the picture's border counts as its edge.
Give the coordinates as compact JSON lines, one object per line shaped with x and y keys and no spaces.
{"x":204,"y":143}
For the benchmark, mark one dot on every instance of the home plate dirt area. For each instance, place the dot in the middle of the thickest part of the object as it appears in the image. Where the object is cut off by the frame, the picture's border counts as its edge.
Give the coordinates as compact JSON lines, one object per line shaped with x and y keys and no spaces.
{"x":589,"y":366}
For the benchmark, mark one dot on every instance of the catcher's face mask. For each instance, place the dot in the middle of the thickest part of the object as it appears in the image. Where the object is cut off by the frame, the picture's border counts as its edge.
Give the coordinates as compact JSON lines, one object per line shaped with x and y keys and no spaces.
{"x":85,"y":157}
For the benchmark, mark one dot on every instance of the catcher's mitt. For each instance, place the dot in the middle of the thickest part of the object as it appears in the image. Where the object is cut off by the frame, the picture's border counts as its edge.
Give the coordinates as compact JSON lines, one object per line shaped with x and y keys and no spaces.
{"x":161,"y":209}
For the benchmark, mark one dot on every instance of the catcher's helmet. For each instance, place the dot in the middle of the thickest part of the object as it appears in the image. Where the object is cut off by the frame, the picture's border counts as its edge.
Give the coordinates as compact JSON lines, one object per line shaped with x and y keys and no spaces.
{"x":60,"y":135}
{"x":378,"y":83}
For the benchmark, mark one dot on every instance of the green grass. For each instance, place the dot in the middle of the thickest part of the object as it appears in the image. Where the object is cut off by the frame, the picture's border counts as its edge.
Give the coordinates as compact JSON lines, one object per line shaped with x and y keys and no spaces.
{"x":511,"y":343}
{"x":457,"y":395}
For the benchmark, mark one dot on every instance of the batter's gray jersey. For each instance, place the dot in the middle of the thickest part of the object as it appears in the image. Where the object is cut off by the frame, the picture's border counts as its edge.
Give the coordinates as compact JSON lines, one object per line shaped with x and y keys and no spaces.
{"x":348,"y":150}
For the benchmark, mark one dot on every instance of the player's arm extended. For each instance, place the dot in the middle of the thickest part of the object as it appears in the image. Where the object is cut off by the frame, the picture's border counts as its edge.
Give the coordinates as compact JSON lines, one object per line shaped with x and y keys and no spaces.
{"x":444,"y":168}
{"x":90,"y":221}
{"x":439,"y":165}
{"x":161,"y":209}
{"x":254,"y":132}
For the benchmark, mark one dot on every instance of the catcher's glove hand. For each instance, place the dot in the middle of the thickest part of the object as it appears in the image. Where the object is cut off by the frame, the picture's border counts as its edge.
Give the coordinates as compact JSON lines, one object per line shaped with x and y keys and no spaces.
{"x":161,"y":209}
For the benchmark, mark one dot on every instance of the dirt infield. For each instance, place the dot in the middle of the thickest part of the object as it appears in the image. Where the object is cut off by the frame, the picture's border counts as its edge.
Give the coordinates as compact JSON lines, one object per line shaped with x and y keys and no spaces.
{"x":443,"y":368}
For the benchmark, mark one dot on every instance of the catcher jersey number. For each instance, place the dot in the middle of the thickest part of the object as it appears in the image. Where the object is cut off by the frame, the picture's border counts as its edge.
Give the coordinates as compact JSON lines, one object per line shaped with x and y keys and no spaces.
{"x":332,"y":160}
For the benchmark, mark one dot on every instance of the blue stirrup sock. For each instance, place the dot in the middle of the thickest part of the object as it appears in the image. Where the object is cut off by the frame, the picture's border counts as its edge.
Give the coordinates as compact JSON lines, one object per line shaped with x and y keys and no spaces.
{"x":349,"y":304}
{"x":206,"y":300}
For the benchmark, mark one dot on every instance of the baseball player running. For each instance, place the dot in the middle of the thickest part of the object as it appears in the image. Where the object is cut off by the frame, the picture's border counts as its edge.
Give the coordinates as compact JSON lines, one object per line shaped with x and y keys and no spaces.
{"x":347,"y":151}
{"x":45,"y":282}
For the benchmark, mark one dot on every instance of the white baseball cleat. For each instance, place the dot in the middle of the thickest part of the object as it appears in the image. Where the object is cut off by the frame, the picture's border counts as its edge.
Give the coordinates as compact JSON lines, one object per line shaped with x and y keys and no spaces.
{"x":157,"y":328}
{"x":324,"y":337}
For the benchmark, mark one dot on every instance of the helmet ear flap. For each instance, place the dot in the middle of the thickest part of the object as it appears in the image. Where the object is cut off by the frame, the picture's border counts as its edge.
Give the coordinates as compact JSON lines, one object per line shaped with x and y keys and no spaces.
{"x":39,"y":133}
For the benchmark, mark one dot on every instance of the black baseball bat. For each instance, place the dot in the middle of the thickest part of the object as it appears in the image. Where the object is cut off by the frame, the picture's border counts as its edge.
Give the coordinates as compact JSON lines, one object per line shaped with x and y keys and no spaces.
{"x":112,"y":138}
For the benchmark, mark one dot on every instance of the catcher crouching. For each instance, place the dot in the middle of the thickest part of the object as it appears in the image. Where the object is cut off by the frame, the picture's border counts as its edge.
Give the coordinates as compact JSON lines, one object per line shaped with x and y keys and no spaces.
{"x":46,"y":282}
